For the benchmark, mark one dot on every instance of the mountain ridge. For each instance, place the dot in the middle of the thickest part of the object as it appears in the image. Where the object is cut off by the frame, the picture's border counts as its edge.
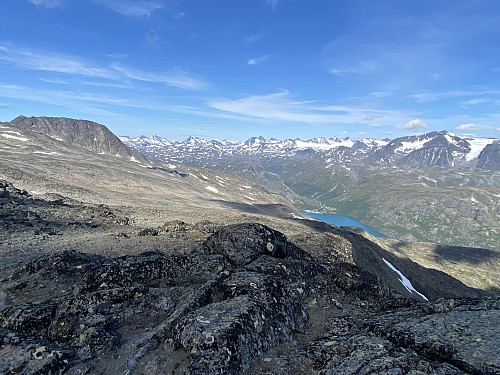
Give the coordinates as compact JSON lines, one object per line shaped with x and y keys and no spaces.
{"x":446,"y":148}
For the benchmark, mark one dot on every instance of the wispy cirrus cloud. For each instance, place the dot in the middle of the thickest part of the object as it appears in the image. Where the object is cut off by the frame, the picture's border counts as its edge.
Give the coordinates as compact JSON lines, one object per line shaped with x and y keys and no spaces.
{"x":132,"y":8}
{"x":48,"y":3}
{"x":50,"y":61}
{"x":178,"y":78}
{"x":55,"y":62}
{"x":258,"y":60}
{"x":87,"y":101}
{"x":436,"y":96}
{"x":475,"y":101}
{"x":361,"y":67}
{"x":386,"y":60}
{"x":281,"y":107}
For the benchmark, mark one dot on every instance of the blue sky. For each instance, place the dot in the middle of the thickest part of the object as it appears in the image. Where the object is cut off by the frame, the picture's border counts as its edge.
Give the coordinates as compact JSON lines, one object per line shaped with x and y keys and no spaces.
{"x":231,"y":69}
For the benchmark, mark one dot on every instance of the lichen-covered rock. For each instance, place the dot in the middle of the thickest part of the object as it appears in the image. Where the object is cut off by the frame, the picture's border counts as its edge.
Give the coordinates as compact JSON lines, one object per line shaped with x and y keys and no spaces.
{"x":465,"y":334}
{"x":243,"y":243}
{"x":251,"y":303}
{"x":226,"y":336}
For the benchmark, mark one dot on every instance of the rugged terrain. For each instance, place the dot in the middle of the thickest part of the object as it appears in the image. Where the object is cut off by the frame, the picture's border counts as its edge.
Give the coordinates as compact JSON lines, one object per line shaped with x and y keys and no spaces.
{"x":434,"y":187}
{"x":112,"y":266}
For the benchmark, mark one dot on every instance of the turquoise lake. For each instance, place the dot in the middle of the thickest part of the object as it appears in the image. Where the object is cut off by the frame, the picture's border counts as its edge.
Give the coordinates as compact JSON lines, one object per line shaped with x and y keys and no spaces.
{"x":342,"y":220}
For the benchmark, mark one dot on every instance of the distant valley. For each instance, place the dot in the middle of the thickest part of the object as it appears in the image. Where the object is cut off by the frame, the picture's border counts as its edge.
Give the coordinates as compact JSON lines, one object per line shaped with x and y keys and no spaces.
{"x":435,"y":187}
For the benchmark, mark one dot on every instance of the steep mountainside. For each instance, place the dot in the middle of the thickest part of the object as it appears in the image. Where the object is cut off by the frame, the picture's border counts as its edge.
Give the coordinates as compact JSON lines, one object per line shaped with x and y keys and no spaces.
{"x":81,"y":133}
{"x":112,"y":266}
{"x":432,"y":187}
{"x":489,"y":158}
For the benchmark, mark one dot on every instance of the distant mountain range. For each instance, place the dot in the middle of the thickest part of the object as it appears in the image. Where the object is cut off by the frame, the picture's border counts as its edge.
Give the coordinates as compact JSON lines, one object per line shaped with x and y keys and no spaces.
{"x":435,"y":187}
{"x":432,"y":149}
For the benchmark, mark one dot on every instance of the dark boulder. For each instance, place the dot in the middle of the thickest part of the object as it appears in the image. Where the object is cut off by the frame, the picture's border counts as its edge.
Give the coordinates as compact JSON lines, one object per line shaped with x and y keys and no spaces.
{"x":243,"y":243}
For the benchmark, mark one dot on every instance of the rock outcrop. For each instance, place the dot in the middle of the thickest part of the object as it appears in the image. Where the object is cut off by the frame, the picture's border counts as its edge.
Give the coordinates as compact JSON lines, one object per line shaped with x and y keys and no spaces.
{"x":249,"y":302}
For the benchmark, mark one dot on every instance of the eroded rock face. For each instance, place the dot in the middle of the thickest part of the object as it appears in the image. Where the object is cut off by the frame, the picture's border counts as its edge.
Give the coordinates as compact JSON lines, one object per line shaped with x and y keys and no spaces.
{"x":240,"y":307}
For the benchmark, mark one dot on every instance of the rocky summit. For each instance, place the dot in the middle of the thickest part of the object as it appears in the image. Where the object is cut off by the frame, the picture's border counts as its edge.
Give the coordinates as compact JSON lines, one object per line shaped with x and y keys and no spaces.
{"x":109,"y":265}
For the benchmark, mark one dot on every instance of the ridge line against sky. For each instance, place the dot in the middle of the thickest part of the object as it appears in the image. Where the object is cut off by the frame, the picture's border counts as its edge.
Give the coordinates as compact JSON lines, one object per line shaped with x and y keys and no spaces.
{"x":276,"y":68}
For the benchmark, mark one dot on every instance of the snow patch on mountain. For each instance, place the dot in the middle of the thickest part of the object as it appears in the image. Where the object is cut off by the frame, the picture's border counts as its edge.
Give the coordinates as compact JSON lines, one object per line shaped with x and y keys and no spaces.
{"x":46,"y":153}
{"x":404,"y":280}
{"x":212,"y":189}
{"x":407,"y":147}
{"x":10,"y":136}
{"x":477,"y":144}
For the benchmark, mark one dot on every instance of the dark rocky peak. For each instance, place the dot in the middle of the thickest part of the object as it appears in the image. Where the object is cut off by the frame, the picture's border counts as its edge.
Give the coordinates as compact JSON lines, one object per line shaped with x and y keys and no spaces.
{"x":319,"y":140}
{"x":358,"y":145}
{"x":445,"y":139}
{"x":255,"y":141}
{"x":193,"y":140}
{"x":425,"y":150}
{"x":420,"y":139}
{"x":88,"y":135}
{"x":489,"y":158}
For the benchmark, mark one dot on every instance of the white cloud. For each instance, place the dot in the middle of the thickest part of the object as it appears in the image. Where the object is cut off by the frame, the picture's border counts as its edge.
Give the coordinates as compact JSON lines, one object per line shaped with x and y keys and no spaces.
{"x":475,"y":101}
{"x":381,"y":94}
{"x":50,"y":61}
{"x":133,"y":8}
{"x":258,"y":60}
{"x":61,"y":63}
{"x":362,"y":67}
{"x":48,"y":3}
{"x":280,"y":107}
{"x":179,"y":15}
{"x":435,"y":96}
{"x":372,"y":117}
{"x":413,"y":125}
{"x":472,"y":127}
{"x":178,"y":78}
{"x":85,"y":101}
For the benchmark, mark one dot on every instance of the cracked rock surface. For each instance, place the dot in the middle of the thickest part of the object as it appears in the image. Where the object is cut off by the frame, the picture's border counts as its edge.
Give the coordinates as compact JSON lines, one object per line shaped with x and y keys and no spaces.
{"x":247,"y":301}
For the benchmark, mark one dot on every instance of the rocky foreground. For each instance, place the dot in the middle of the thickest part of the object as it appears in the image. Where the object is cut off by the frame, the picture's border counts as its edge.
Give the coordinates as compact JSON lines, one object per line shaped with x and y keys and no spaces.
{"x":248,"y":302}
